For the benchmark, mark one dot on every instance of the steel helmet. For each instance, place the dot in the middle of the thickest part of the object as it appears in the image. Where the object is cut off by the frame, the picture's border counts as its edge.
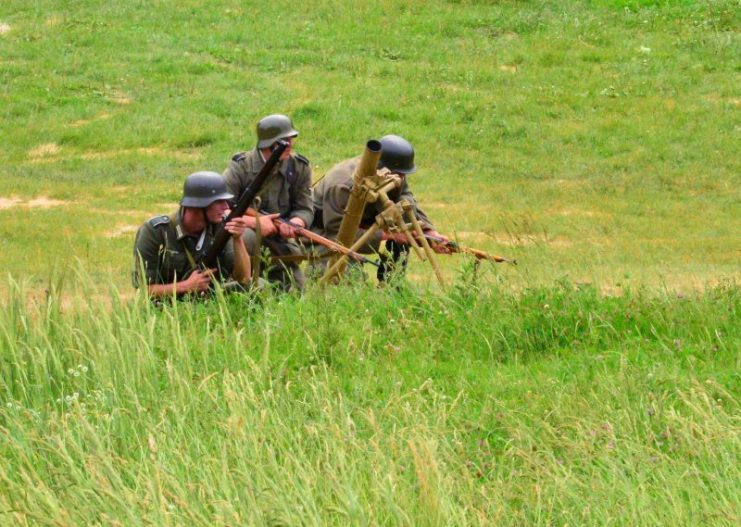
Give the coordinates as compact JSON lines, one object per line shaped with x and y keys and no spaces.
{"x":272,"y":128}
{"x":201,"y":189}
{"x":397,"y":155}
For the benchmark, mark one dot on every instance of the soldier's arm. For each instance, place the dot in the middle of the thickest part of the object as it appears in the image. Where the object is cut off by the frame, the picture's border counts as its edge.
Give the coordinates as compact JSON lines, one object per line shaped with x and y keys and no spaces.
{"x":302,"y":206}
{"x":146,"y":256}
{"x":147,"y":263}
{"x":235,"y":252}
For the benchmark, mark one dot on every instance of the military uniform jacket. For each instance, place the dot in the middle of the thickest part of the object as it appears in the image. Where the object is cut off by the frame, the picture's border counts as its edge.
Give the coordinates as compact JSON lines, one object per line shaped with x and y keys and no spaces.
{"x":162,"y":248}
{"x":332,"y":194}
{"x":287,"y":191}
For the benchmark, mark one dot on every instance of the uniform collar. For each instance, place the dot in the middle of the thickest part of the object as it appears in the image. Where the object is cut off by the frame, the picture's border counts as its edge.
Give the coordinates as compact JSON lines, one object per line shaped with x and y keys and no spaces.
{"x":260,"y":162}
{"x":180,"y":232}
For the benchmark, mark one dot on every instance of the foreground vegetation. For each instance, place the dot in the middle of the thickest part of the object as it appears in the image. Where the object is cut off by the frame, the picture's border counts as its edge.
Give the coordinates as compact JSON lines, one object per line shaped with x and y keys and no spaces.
{"x":552,"y":407}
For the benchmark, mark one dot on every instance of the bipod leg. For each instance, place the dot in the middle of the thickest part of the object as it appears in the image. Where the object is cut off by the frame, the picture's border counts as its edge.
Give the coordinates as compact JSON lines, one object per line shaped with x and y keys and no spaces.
{"x":425,"y":245}
{"x":339,"y":266}
{"x":397,"y":212}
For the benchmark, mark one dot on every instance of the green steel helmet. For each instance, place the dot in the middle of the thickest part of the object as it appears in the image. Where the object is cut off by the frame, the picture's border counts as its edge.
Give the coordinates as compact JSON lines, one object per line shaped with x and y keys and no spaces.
{"x":272,"y":128}
{"x":397,"y":155}
{"x":201,"y":189}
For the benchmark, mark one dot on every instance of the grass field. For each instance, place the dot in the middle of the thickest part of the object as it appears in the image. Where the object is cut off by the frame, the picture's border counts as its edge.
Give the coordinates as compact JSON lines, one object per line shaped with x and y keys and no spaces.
{"x":596,"y":383}
{"x":596,"y":141}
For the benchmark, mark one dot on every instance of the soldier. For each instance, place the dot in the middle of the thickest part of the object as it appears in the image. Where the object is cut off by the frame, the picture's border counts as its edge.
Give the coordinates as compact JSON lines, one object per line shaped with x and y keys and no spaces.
{"x":287,"y":192}
{"x":168,"y":247}
{"x":332,"y":194}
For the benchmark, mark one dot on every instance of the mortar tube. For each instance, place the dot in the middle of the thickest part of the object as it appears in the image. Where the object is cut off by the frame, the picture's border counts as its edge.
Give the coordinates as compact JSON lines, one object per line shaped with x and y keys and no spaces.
{"x":356,"y":204}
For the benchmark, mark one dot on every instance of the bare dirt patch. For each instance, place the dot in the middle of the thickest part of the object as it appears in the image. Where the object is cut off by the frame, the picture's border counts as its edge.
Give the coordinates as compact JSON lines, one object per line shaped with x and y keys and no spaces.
{"x":4,"y":28}
{"x":9,"y":203}
{"x":121,"y":231}
{"x":182,"y":155}
{"x":581,"y":213}
{"x":128,"y":213}
{"x":53,"y":20}
{"x":119,"y":97}
{"x":82,"y":122}
{"x":44,"y":151}
{"x":42,"y":202}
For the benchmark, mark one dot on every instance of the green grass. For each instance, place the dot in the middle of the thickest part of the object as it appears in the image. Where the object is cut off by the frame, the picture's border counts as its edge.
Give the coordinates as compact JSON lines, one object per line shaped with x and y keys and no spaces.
{"x":597,"y":135}
{"x":594,"y":384}
{"x":554,"y":406}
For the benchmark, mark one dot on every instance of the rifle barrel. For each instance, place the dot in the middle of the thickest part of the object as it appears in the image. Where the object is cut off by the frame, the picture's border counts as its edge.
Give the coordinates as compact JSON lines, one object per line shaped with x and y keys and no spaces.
{"x":245,"y":200}
{"x":478,"y":253}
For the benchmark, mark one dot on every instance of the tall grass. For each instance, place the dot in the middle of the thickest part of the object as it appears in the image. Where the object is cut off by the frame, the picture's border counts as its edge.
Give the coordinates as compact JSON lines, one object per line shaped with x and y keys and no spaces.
{"x":554,"y":406}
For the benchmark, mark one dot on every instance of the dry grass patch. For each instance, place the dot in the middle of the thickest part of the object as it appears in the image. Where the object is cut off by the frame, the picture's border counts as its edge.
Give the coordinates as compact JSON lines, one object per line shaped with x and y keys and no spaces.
{"x":129,"y":213}
{"x":42,"y":202}
{"x":121,"y":231}
{"x":9,"y":203}
{"x":82,"y":122}
{"x":4,"y":28}
{"x":181,"y":155}
{"x":45,"y":150}
{"x":119,"y":97}
{"x":53,"y":20}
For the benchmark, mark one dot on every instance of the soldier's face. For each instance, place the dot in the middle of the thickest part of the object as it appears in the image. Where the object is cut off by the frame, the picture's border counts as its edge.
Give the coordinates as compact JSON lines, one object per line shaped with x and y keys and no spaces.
{"x":217,"y":211}
{"x":289,"y":149}
{"x":194,"y":221}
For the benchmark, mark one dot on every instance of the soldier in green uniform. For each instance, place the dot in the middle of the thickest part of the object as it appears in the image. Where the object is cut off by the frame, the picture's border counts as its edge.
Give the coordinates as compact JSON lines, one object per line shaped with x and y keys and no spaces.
{"x":332,"y":194}
{"x":287,"y":192}
{"x":167,"y":247}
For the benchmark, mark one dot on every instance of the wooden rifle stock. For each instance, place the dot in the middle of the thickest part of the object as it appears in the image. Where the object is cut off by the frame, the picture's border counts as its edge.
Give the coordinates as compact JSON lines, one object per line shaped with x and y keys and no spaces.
{"x":245,"y":200}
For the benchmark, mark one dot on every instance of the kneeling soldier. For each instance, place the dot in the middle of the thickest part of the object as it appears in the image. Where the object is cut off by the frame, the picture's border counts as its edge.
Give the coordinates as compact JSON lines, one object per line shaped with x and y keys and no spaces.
{"x":332,"y":194}
{"x":167,"y":247}
{"x":287,"y":192}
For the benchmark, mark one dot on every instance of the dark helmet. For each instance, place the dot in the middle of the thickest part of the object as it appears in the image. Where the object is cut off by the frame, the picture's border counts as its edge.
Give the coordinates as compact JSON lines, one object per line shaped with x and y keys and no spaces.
{"x":397,"y":155}
{"x":201,"y":189}
{"x":272,"y":128}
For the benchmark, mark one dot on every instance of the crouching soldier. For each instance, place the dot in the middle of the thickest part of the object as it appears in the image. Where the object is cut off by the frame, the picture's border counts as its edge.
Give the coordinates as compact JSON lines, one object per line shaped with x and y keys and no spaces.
{"x":287,"y":193}
{"x":167,"y":247}
{"x":332,"y":194}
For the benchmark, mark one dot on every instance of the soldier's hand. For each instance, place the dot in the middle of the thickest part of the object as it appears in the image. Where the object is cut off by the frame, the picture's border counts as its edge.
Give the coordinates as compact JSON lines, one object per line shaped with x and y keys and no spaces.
{"x":267,"y":226}
{"x":287,"y":230}
{"x":398,"y":237}
{"x":237,"y":226}
{"x":198,"y":281}
{"x":440,"y":247}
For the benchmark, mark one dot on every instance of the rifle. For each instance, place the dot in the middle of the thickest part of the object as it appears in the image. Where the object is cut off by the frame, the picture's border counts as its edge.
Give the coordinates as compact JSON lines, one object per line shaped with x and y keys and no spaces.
{"x":477,"y":253}
{"x":221,"y":238}
{"x":326,"y":242}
